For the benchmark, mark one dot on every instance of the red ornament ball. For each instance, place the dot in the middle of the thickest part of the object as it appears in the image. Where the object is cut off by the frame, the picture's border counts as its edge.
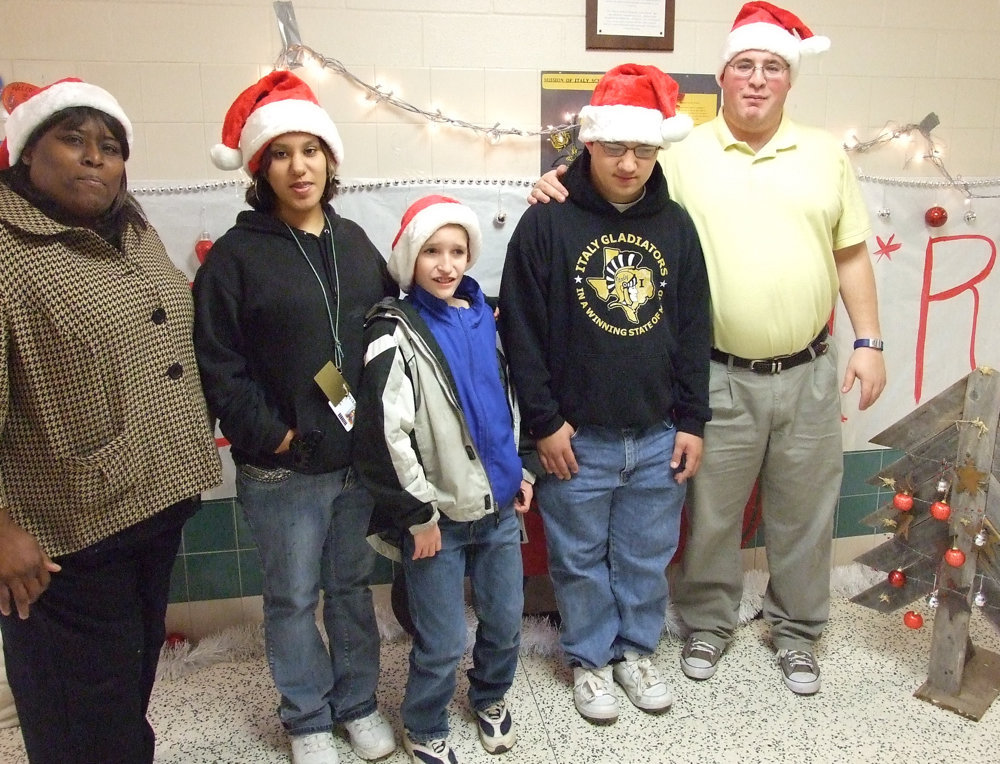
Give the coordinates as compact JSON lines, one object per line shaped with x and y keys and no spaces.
{"x":202,"y":246}
{"x":175,"y":639}
{"x":913,"y":620}
{"x":940,"y":510}
{"x":903,"y":501}
{"x":955,"y":557}
{"x":897,"y":578}
{"x":936,"y":217}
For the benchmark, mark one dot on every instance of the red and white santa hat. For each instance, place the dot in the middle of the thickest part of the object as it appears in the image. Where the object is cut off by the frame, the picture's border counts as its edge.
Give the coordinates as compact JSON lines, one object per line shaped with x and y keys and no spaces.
{"x":419,"y":223}
{"x":762,"y":26}
{"x":634,"y":103}
{"x":28,"y":106}
{"x":276,"y":104}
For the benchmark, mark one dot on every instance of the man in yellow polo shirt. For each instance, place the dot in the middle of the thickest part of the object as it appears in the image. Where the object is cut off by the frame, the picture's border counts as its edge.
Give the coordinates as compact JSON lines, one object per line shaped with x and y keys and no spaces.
{"x":783,"y":227}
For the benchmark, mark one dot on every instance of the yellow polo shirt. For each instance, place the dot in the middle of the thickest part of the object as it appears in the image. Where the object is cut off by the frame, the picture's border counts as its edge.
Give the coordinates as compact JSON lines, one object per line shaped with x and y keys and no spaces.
{"x":769,"y":223}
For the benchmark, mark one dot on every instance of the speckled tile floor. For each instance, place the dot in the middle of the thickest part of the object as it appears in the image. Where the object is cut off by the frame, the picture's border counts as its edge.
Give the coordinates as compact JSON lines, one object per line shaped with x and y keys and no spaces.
{"x":865,"y":711}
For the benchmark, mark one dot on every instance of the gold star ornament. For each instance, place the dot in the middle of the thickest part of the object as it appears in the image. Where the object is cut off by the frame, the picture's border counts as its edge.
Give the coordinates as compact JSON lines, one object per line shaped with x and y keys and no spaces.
{"x":970,"y":479}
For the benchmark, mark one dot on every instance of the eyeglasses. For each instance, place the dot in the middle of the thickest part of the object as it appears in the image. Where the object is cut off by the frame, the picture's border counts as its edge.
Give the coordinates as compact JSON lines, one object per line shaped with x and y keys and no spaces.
{"x":744,"y":69}
{"x":642,"y":151}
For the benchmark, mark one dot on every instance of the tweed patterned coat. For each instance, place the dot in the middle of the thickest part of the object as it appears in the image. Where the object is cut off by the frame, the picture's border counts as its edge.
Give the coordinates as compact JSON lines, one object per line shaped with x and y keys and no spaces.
{"x":102,"y":419}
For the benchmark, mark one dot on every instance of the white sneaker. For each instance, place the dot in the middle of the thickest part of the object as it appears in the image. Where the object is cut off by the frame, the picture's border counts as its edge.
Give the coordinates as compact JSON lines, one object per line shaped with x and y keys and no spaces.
{"x":371,"y":736}
{"x":314,"y":749}
{"x":642,"y":683}
{"x":594,"y":694}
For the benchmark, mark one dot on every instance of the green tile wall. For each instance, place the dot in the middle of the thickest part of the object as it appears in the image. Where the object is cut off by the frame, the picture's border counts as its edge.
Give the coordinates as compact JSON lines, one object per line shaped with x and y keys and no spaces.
{"x":218,"y":558}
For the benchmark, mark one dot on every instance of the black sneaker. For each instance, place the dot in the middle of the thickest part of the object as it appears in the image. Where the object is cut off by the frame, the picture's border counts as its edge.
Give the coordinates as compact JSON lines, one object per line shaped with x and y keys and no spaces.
{"x":429,"y":751}
{"x":699,"y":659}
{"x":496,"y":728}
{"x":800,"y":671}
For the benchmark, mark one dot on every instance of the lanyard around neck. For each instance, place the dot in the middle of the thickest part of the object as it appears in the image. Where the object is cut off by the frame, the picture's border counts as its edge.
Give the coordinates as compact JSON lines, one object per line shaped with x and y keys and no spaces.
{"x":334,"y":322}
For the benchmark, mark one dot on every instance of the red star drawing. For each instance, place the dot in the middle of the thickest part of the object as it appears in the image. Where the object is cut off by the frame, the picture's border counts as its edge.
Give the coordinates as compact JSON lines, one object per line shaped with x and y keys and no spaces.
{"x":886,"y":248}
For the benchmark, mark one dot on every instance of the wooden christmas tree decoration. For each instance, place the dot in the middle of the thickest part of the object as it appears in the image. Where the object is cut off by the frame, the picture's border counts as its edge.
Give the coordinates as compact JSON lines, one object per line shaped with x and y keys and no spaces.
{"x":945,"y":542}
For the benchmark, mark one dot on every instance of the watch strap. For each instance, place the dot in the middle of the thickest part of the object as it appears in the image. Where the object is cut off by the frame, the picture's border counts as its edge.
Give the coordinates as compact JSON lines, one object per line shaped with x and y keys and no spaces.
{"x":869,"y":343}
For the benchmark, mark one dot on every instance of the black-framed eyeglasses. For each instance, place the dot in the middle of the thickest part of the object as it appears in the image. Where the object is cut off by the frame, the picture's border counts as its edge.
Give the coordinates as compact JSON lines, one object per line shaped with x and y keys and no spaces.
{"x":745,"y":68}
{"x":642,"y":151}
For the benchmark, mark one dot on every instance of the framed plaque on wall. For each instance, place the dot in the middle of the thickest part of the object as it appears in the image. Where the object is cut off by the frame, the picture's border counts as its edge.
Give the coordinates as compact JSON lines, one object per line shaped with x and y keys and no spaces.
{"x":630,"y":24}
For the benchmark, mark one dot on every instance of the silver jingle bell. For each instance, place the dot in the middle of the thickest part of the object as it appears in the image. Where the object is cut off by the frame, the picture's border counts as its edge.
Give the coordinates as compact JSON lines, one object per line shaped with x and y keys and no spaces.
{"x":932,"y":601}
{"x":979,"y":599}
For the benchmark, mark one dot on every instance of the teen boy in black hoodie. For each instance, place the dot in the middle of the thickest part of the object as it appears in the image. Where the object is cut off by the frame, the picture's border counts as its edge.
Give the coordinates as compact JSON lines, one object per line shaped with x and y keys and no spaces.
{"x":604,"y":314}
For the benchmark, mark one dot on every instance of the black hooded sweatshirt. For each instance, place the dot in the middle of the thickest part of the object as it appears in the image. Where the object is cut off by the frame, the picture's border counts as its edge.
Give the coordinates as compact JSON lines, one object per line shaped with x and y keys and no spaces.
{"x":262,"y":332}
{"x":605,"y":314}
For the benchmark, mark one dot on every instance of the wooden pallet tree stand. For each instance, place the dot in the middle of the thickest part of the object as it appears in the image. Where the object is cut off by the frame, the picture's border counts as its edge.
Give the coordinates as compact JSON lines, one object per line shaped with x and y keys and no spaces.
{"x":953,"y":436}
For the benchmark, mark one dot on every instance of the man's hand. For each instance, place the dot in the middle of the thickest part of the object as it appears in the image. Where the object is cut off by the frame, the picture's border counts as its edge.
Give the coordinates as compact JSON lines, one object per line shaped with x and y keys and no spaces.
{"x":24,"y":568}
{"x":548,"y":187}
{"x":868,"y":366}
{"x":427,"y":543}
{"x":556,"y":453}
{"x":686,"y":458}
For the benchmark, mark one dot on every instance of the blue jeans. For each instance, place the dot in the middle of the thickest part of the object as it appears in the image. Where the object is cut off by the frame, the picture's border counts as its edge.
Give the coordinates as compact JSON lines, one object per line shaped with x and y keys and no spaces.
{"x":489,"y":552}
{"x":611,"y":530}
{"x":310,"y":531}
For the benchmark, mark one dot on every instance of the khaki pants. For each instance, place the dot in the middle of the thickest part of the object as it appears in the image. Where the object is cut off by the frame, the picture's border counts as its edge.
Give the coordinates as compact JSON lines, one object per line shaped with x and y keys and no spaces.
{"x":784,"y":428}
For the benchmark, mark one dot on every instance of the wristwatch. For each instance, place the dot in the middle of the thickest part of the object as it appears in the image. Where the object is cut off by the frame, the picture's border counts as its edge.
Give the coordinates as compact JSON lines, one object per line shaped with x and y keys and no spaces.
{"x":869,"y":343}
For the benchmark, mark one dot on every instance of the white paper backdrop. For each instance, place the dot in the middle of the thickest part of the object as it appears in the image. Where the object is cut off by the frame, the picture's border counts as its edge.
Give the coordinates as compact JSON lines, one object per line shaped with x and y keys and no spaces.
{"x":939,"y":294}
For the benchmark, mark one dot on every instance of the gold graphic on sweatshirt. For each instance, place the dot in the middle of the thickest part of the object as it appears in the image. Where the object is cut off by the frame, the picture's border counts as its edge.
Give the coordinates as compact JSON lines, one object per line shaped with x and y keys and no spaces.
{"x":626,"y":284}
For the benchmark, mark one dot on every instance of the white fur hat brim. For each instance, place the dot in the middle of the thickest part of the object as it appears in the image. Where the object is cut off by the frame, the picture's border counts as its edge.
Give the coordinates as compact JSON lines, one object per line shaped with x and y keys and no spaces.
{"x":269,"y":121}
{"x":30,"y":114}
{"x":632,"y":124}
{"x":773,"y":39}
{"x":420,"y":228}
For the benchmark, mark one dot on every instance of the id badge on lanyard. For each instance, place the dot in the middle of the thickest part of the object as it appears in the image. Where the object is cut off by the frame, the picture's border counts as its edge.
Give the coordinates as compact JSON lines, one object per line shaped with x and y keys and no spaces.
{"x":338,"y":393}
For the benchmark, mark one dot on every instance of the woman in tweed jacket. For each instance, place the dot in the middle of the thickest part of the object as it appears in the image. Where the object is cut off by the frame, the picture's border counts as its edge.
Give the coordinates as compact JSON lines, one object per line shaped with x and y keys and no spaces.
{"x":105,"y":441}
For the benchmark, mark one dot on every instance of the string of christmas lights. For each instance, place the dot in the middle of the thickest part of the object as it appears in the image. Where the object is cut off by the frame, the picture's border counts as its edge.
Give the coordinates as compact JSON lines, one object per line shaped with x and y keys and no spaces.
{"x":300,"y":55}
{"x":295,"y":54}
{"x":932,"y":153}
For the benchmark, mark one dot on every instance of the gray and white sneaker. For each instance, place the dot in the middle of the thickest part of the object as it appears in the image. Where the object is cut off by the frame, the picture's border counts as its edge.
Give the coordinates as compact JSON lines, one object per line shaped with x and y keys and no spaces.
{"x":699,"y":658}
{"x":800,"y":671}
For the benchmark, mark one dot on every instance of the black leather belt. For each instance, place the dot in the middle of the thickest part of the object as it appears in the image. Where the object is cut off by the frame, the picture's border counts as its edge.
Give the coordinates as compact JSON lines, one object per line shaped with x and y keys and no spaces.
{"x":777,"y":364}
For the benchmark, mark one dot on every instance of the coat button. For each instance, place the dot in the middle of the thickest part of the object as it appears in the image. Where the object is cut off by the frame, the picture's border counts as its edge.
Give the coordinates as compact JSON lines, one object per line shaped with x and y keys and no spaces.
{"x":159,"y":316}
{"x":175,"y":371}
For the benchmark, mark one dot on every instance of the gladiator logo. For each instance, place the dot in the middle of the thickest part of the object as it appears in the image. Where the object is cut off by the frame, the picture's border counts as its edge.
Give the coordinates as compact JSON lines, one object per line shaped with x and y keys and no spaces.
{"x":625,"y":283}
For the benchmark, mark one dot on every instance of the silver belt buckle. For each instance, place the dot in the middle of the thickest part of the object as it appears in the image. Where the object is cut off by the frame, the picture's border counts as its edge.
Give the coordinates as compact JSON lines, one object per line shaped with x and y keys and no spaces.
{"x":766,"y":366}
